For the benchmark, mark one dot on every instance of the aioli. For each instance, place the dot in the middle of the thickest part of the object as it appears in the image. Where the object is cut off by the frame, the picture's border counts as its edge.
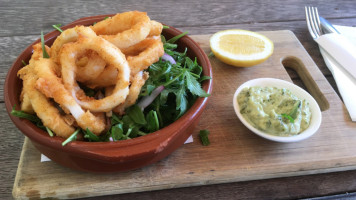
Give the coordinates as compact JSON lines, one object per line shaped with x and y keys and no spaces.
{"x":274,"y":111}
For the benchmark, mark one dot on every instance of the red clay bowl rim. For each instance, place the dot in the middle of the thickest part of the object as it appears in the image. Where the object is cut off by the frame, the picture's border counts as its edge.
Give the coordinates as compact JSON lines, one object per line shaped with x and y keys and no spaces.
{"x":99,"y":150}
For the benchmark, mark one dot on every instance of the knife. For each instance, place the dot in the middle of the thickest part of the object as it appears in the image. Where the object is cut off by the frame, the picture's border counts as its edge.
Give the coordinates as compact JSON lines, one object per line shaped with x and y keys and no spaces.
{"x":327,"y":26}
{"x":338,"y":47}
{"x":344,"y":81}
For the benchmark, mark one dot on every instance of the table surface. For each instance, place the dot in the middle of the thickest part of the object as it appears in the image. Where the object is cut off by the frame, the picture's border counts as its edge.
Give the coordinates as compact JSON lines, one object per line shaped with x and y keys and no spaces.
{"x":22,"y":21}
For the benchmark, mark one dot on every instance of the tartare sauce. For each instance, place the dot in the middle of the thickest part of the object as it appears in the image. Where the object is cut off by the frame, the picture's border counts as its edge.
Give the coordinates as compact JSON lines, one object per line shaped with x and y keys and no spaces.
{"x":275,"y":111}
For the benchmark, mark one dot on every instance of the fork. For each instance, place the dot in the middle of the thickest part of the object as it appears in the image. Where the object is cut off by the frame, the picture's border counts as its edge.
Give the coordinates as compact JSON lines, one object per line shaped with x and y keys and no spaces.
{"x":313,"y":21}
{"x":339,"y":55}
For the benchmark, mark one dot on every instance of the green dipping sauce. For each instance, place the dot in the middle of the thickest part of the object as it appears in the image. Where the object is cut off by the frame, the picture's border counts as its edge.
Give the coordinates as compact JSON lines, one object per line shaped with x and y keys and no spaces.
{"x":274,"y":111}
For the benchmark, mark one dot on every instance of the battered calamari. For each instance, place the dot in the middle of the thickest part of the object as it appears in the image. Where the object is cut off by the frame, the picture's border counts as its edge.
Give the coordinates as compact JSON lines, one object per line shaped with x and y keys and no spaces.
{"x":110,"y":55}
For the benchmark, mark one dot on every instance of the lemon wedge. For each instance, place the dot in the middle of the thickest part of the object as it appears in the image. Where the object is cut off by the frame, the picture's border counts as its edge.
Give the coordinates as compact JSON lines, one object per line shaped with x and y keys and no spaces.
{"x":241,"y":48}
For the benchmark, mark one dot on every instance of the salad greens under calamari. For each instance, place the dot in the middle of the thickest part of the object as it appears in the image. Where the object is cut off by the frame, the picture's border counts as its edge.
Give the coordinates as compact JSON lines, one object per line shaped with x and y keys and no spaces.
{"x":179,"y":86}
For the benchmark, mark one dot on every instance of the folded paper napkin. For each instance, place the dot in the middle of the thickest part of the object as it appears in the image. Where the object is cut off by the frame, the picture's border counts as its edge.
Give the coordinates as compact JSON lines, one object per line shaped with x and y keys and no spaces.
{"x":345,"y":82}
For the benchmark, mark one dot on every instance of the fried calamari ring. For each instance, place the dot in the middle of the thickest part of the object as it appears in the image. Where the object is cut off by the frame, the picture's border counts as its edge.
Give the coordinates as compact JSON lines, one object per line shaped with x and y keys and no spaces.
{"x":91,"y":69}
{"x":69,"y":35}
{"x":26,"y":105}
{"x":107,"y":78}
{"x":135,"y":88}
{"x":93,"y":66}
{"x":51,"y":86}
{"x":124,"y":29}
{"x":44,"y":108}
{"x":113,"y":57}
{"x":152,"y":52}
{"x":139,"y":57}
{"x":156,"y":29}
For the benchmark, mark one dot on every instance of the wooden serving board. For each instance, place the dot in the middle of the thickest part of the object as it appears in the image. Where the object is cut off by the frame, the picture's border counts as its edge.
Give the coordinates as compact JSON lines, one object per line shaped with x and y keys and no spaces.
{"x":235,"y":153}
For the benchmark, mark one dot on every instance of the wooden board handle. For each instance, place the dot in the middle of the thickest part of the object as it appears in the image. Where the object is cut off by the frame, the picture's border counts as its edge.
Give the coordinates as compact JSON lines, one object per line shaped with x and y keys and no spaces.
{"x":298,"y":66}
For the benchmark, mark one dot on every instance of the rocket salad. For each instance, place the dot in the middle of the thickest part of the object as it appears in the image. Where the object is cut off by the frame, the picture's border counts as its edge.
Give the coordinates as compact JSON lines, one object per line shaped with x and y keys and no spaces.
{"x":173,"y":85}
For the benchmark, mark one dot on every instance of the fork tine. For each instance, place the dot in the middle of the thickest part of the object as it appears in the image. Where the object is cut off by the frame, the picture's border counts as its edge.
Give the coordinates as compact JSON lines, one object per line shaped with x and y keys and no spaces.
{"x":316,"y":20}
{"x":307,"y":16}
{"x":312,"y":22}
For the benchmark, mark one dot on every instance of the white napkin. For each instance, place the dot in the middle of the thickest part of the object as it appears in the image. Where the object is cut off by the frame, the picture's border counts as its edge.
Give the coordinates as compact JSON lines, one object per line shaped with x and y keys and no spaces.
{"x":345,"y":82}
{"x":341,"y":49}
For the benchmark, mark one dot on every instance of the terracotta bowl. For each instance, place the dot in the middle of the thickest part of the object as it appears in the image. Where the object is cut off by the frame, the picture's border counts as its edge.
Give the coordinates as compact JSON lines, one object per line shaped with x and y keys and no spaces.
{"x":110,"y":156}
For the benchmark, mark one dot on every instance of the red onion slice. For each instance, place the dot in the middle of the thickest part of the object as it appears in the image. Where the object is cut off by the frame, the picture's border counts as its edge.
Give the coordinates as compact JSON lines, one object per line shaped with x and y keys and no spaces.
{"x":147,"y":100}
{"x":168,"y":58}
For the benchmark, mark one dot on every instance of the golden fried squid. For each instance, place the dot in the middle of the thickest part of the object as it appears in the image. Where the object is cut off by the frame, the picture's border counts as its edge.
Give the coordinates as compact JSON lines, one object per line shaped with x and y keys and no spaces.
{"x":136,"y":84}
{"x":125,"y":29}
{"x":43,"y":106}
{"x":52,"y":86}
{"x":110,"y":55}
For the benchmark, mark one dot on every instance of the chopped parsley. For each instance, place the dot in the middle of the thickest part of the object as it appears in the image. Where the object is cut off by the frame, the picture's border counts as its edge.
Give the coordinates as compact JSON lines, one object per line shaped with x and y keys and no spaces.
{"x":57,"y":27}
{"x":45,"y":54}
{"x":203,"y":134}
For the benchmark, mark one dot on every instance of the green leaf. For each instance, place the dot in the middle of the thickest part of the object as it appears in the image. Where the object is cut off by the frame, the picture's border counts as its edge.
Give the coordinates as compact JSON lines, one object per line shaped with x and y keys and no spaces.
{"x":141,"y":133}
{"x":91,"y":136}
{"x":22,"y":114}
{"x":293,"y":114}
{"x":147,"y":89}
{"x":288,"y":117}
{"x":39,"y":124}
{"x":163,"y":39}
{"x":150,"y":88}
{"x":50,"y":133}
{"x":181,"y":101}
{"x":128,"y":132}
{"x":152,"y":121}
{"x":24,"y":63}
{"x":136,"y":114}
{"x":71,"y":138}
{"x":115,"y":119}
{"x":189,"y":63}
{"x":196,"y":69}
{"x":135,"y":132}
{"x":174,"y":79}
{"x":211,"y":54}
{"x":294,"y":111}
{"x":203,"y":78}
{"x":170,"y":46}
{"x":117,"y":132}
{"x":127,"y":122}
{"x":158,"y":111}
{"x":105,"y":137}
{"x":165,"y":27}
{"x":203,"y":134}
{"x":164,"y":96}
{"x":57,"y":27}
{"x":177,"y":37}
{"x":45,"y":54}
{"x":194,"y":86}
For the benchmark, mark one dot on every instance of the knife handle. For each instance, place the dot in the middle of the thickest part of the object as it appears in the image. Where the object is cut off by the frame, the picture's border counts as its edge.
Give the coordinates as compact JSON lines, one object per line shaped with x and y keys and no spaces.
{"x":341,"y":49}
{"x":327,"y":26}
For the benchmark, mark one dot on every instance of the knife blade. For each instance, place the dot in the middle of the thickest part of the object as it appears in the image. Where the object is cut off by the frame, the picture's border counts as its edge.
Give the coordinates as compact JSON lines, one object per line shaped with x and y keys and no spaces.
{"x":339,"y":47}
{"x":327,"y":26}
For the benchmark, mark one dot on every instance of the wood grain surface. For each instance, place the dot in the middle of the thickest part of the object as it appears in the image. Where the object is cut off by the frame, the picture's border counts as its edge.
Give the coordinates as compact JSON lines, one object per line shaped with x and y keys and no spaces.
{"x":235,"y":154}
{"x":22,"y":21}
